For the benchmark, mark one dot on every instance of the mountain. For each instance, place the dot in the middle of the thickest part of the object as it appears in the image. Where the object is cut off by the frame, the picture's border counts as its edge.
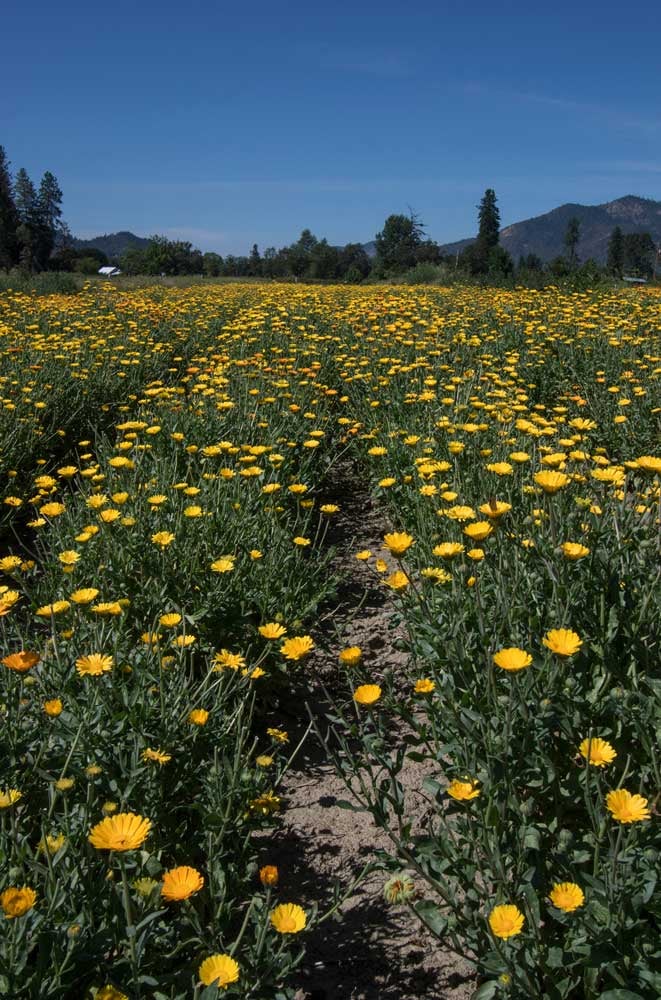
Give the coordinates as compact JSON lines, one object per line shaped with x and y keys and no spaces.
{"x":113,"y":245}
{"x":544,"y":235}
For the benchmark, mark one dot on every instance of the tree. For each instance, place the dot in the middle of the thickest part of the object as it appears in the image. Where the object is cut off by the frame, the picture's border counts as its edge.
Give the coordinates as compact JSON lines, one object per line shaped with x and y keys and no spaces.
{"x":255,"y":261}
{"x":25,"y":198}
{"x":639,"y":255}
{"x":212,"y":264}
{"x":49,"y":215}
{"x":397,"y":244}
{"x":616,"y":253}
{"x":354,"y":264}
{"x":488,"y":233}
{"x":8,"y":217}
{"x":572,"y":236}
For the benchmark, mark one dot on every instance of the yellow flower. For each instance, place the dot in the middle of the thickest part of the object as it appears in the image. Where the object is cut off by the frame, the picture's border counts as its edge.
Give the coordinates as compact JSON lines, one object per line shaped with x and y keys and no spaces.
{"x":597,"y":751}
{"x":7,"y":601}
{"x":84,"y":596}
{"x":288,"y":918}
{"x":180,"y":883}
{"x":398,"y":542}
{"x":57,"y":608}
{"x":397,"y":580}
{"x":219,"y":970}
{"x":170,"y":619}
{"x":53,"y":707}
{"x":52,"y":509}
{"x":156,"y":756}
{"x":265,"y":804}
{"x":478,"y":531}
{"x":16,"y":902}
{"x":94,"y":664}
{"x":567,"y":896}
{"x":198,"y":717}
{"x":110,"y":993}
{"x":351,"y":656}
{"x":448,"y":550}
{"x":263,"y":760}
{"x":297,"y":647}
{"x":424,"y":686}
{"x":300,"y":541}
{"x":223,"y":565}
{"x":463,"y":790}
{"x":512,"y":659}
{"x":363,"y":555}
{"x":495,"y":508}
{"x":562,"y":641}
{"x":268,"y":875}
{"x":329,"y":508}
{"x":627,"y":808}
{"x":367,"y":694}
{"x":64,"y":784}
{"x":648,"y":463}
{"x":551,"y":482}
{"x":51,"y":843}
{"x":123,"y":832}
{"x":272,"y":630}
{"x":506,"y":921}
{"x":9,"y":797}
{"x":574,"y":551}
{"x":21,"y":662}
{"x":163,"y":538}
{"x":107,"y":608}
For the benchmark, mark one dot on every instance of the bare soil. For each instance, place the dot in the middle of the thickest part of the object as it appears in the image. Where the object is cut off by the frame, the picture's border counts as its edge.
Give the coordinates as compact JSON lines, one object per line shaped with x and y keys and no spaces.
{"x":375,"y":950}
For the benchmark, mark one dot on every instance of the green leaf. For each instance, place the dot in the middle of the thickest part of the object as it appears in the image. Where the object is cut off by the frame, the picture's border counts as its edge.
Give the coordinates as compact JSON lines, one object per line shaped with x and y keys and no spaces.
{"x":430,"y":914}
{"x":486,"y":991}
{"x":620,"y":995}
{"x":344,"y":804}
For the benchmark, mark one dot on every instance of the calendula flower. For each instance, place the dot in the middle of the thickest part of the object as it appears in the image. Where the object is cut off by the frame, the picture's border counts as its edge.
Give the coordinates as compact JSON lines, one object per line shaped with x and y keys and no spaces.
{"x":297,"y":647}
{"x":567,"y":896}
{"x":551,"y":482}
{"x":478,"y":531}
{"x":64,"y":784}
{"x":223,"y":565}
{"x":94,"y":664}
{"x":263,"y":760}
{"x":288,"y":918}
{"x":181,"y":883}
{"x":219,"y":970}
{"x":17,"y":902}
{"x":562,"y":641}
{"x":156,"y":756}
{"x":351,"y":656}
{"x":21,"y":662}
{"x":110,"y":608}
{"x":512,"y":659}
{"x":448,"y":550}
{"x":462,"y":791}
{"x":9,"y":797}
{"x":198,"y":717}
{"x":495,"y":508}
{"x":123,"y":832}
{"x":85,"y":595}
{"x":397,"y":580}
{"x":399,"y":888}
{"x":53,"y":509}
{"x":367,"y":694}
{"x":627,"y":808}
{"x":363,"y":555}
{"x":573,"y":551}
{"x":649,"y":463}
{"x":424,"y":686}
{"x":163,"y":538}
{"x":268,"y":875}
{"x":51,"y":843}
{"x":57,"y":608}
{"x":597,"y":751}
{"x":265,"y":804}
{"x":170,"y":619}
{"x":53,"y":707}
{"x":272,"y":630}
{"x":398,"y":542}
{"x":506,"y":921}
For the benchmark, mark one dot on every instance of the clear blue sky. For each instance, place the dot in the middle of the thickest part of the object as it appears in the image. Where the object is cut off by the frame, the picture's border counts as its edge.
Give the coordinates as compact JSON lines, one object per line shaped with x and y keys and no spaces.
{"x":229,"y":124}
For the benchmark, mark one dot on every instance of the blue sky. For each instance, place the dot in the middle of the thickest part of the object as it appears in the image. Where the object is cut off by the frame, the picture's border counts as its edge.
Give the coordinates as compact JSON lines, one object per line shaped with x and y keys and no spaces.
{"x":228,"y":124}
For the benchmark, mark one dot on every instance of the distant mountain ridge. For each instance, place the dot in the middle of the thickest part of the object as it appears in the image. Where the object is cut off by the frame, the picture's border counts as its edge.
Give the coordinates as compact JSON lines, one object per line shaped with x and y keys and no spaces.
{"x":113,"y":245}
{"x":544,"y":234}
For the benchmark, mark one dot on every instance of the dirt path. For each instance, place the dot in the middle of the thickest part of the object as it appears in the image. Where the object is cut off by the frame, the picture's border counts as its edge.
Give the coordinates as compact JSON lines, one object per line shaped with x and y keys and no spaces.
{"x":375,"y":950}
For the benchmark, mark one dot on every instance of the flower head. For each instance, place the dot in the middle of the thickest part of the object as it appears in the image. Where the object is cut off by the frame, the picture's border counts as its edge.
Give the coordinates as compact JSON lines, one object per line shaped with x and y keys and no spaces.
{"x":367,"y":694}
{"x":562,"y":641}
{"x":573,"y":551}
{"x":16,"y":902}
{"x":462,"y":791}
{"x":180,"y":883}
{"x":288,"y":918}
{"x":21,"y":662}
{"x":551,"y":482}
{"x":567,"y":896}
{"x":198,"y":716}
{"x":627,"y":808}
{"x":597,"y":751}
{"x":9,"y":797}
{"x":219,"y":970}
{"x":122,"y":832}
{"x":268,"y":875}
{"x":272,"y":630}
{"x":512,"y":659}
{"x":351,"y":656}
{"x":94,"y":664}
{"x":297,"y":647}
{"x":506,"y":921}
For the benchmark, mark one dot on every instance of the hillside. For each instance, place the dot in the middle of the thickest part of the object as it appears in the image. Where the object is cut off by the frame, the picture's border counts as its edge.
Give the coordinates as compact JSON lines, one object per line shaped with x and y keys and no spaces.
{"x":113,"y":245}
{"x":544,"y":234}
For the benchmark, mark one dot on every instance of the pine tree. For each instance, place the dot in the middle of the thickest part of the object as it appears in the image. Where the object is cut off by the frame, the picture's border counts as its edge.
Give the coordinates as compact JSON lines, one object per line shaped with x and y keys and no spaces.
{"x":8,"y":217}
{"x":49,"y":215}
{"x":25,"y":197}
{"x":616,"y":252}
{"x":489,"y":222}
{"x":572,"y":236}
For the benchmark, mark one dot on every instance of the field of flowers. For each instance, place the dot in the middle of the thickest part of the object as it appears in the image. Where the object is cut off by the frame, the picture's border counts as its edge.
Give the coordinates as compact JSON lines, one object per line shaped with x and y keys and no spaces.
{"x":167,"y":455}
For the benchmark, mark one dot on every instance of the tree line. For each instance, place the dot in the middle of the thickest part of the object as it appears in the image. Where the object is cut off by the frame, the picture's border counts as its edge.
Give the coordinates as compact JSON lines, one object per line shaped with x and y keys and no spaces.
{"x":34,"y":237}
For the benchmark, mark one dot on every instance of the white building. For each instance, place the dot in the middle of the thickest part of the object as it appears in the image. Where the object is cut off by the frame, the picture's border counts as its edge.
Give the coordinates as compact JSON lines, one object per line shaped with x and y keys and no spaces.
{"x":109,"y":272}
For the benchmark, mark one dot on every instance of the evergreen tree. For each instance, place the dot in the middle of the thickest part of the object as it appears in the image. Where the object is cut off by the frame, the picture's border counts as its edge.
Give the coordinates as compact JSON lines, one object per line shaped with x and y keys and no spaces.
{"x":8,"y":217}
{"x":616,"y":252}
{"x":255,"y":261}
{"x":489,"y":222}
{"x":25,"y":198}
{"x":49,"y":215}
{"x":572,"y":236}
{"x":398,"y":243}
